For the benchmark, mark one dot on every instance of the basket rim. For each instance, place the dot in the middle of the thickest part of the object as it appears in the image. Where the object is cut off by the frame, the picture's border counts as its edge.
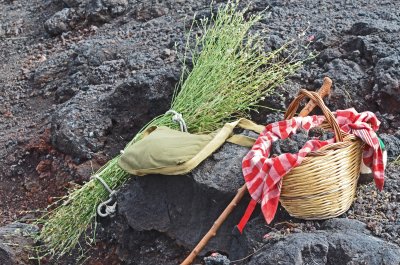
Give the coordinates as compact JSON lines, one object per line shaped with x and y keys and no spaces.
{"x":348,"y":139}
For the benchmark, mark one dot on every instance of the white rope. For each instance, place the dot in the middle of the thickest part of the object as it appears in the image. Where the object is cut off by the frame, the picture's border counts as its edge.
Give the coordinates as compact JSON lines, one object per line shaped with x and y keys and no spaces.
{"x":108,"y":209}
{"x":178,"y":118}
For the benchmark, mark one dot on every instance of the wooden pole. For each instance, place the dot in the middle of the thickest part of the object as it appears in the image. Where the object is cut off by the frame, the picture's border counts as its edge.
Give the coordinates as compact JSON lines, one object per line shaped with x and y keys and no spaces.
{"x":217,"y":224}
{"x":323,"y":91}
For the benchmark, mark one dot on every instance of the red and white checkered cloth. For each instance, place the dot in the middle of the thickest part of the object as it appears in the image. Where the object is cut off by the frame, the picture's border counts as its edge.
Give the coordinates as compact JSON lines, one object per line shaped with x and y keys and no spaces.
{"x":263,"y":174}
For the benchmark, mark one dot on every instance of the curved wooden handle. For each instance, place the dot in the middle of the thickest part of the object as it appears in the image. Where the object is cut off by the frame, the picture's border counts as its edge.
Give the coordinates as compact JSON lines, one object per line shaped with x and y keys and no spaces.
{"x":325,"y":90}
{"x":330,"y":118}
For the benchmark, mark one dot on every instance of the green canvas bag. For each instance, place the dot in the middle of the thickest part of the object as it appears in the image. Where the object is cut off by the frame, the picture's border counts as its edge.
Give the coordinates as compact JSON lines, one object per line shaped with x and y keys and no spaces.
{"x":170,"y":152}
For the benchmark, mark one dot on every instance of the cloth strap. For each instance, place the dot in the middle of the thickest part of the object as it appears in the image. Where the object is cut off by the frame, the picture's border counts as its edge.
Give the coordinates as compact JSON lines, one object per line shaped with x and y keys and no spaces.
{"x":225,"y":134}
{"x":247,"y":214}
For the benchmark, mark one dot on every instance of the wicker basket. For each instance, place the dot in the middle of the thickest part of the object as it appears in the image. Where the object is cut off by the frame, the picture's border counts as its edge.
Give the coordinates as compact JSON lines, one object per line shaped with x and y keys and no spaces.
{"x":324,"y":185}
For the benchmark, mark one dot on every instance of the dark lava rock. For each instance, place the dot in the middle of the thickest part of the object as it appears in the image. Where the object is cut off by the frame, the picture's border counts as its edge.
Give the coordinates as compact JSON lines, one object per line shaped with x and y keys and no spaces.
{"x":329,"y":54}
{"x":216,"y":259}
{"x":284,"y":146}
{"x":93,"y":53}
{"x":185,"y":207}
{"x":147,"y":11}
{"x":79,"y":127}
{"x":97,"y":11}
{"x":143,"y":247}
{"x":387,"y":89}
{"x":53,"y":69}
{"x":15,"y":245}
{"x":380,"y":209}
{"x":108,"y":87}
{"x":181,"y":209}
{"x":62,"y":21}
{"x":140,"y":98}
{"x":344,"y":71}
{"x":350,"y":44}
{"x":392,"y":144}
{"x":339,"y":241}
{"x":105,"y":10}
{"x":296,"y":141}
{"x":362,"y":28}
{"x":73,"y":3}
{"x":369,"y":27}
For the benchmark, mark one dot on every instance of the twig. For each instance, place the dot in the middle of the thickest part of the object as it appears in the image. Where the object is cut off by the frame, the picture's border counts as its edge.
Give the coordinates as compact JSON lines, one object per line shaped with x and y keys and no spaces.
{"x":16,"y":38}
{"x":248,"y":256}
{"x":213,"y":231}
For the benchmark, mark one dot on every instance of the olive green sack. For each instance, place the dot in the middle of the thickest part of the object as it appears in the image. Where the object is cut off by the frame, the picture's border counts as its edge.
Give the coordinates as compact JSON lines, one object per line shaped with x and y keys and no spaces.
{"x":169,"y":152}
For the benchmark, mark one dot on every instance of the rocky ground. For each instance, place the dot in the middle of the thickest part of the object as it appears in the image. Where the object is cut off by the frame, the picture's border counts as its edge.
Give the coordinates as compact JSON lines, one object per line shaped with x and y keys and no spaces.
{"x":78,"y":78}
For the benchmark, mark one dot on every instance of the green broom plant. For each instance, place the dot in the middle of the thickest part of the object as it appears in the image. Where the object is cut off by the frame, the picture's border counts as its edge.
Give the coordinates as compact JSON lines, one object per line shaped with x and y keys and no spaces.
{"x":230,"y":74}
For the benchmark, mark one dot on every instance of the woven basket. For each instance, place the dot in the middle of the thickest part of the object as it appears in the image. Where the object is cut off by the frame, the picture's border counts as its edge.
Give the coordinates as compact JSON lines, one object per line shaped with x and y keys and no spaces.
{"x":324,"y":184}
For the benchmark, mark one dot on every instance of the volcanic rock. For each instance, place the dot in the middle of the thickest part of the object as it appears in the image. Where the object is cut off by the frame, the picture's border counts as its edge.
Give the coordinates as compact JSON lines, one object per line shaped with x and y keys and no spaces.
{"x":15,"y":245}
{"x":62,"y":21}
{"x":392,"y":144}
{"x":185,"y":207}
{"x":105,"y":10}
{"x":339,"y":241}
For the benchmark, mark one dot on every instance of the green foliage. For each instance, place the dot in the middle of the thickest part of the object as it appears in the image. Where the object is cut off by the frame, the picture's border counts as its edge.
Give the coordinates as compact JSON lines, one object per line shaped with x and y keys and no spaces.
{"x":230,"y":74}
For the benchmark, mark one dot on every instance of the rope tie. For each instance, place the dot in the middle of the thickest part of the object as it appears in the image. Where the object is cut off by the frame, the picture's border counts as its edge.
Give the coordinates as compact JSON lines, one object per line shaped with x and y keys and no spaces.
{"x":104,"y":209}
{"x":178,"y":118}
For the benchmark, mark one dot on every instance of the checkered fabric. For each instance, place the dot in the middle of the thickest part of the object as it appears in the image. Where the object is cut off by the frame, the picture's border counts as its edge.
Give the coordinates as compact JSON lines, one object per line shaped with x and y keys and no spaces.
{"x":364,"y":125}
{"x":263,"y":174}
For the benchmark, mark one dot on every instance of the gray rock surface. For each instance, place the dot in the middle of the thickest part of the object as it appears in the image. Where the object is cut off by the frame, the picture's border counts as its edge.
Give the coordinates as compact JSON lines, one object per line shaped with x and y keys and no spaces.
{"x":73,"y":3}
{"x":62,"y":21}
{"x":15,"y":245}
{"x":185,"y":207}
{"x":96,"y":11}
{"x":380,"y":210}
{"x":392,"y":144}
{"x":52,"y":69}
{"x":216,"y":259}
{"x":387,"y":75}
{"x":339,"y":241}
{"x":168,"y":201}
{"x":81,"y":126}
{"x":110,"y":83}
{"x":76,"y":119}
{"x":104,"y":10}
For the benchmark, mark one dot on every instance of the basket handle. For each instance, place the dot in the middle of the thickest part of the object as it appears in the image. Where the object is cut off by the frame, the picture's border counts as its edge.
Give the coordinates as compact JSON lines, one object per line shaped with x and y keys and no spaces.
{"x":291,"y":111}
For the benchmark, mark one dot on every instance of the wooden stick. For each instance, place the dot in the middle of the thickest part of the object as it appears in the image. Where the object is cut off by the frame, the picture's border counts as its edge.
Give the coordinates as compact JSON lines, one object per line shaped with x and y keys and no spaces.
{"x":323,"y":91}
{"x":217,"y":224}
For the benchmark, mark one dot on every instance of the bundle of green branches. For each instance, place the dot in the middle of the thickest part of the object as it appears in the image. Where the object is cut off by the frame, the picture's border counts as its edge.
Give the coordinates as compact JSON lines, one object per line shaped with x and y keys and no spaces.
{"x":230,"y":74}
